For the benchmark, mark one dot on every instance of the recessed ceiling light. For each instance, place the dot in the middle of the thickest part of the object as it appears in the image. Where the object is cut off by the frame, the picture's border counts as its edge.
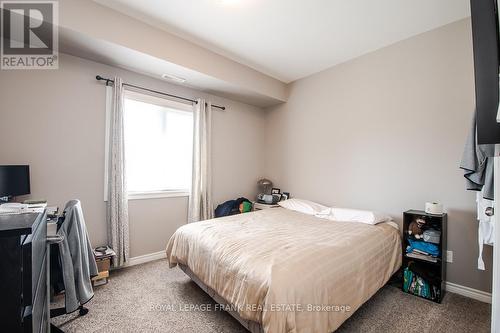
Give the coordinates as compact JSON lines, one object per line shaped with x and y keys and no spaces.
{"x":228,"y":2}
{"x":171,"y":77}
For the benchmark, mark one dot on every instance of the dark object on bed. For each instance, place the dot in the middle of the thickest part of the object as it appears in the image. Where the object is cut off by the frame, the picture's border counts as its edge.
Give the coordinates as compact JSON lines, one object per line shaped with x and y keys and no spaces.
{"x":230,"y":207}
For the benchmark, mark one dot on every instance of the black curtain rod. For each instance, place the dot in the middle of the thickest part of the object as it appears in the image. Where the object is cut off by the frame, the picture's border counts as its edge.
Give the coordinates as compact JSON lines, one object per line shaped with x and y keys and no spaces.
{"x":108,"y":81}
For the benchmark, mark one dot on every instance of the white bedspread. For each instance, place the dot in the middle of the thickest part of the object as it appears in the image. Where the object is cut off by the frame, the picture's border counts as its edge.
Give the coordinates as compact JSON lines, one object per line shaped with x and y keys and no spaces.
{"x":286,"y":270}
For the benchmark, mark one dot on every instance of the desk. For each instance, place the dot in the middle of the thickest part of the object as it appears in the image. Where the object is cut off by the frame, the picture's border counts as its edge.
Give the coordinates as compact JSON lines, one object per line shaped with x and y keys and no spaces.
{"x":23,"y":263}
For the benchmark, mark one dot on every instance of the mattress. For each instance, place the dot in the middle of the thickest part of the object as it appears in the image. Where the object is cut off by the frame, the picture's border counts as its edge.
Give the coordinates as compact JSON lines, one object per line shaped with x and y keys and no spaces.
{"x":289,"y":271}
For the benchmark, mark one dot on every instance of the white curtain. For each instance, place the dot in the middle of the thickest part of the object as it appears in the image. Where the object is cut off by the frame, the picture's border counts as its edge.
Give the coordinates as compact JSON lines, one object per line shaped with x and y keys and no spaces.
{"x":200,"y":201}
{"x":117,"y":205}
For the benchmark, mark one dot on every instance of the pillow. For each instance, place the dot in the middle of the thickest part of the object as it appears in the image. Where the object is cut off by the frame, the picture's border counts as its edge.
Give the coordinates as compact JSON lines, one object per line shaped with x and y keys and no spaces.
{"x":304,"y":206}
{"x":356,"y":215}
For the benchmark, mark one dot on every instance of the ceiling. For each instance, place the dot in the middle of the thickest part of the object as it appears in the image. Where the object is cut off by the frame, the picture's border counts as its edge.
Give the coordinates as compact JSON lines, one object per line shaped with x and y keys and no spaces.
{"x":81,"y":45}
{"x":291,"y":39}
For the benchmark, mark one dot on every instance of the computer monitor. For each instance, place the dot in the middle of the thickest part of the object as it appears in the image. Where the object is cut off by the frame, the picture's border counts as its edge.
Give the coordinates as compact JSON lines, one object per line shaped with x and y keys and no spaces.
{"x":14,"y":180}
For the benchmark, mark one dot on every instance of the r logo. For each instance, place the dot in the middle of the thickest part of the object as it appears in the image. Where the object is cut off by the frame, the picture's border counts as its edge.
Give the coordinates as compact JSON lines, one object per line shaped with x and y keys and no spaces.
{"x":29,"y":28}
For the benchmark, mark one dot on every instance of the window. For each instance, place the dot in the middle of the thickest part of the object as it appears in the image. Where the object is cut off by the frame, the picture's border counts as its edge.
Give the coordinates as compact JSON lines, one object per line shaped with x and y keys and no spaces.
{"x":158,"y":145}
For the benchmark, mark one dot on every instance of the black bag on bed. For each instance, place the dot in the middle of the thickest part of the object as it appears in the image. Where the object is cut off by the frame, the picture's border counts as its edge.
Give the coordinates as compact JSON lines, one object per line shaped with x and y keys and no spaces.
{"x":230,"y":207}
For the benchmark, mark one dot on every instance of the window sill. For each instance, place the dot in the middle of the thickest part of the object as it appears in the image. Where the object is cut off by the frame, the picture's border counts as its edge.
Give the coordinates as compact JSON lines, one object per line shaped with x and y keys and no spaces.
{"x":157,"y":195}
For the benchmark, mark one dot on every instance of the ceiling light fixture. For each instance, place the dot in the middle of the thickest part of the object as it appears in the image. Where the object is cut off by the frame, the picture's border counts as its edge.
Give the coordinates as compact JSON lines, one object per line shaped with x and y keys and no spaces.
{"x":174,"y":78}
{"x":228,"y":2}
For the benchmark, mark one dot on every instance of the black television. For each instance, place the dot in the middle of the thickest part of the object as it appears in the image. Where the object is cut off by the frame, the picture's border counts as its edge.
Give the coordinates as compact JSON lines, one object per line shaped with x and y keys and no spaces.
{"x":14,"y":180}
{"x":486,"y":41}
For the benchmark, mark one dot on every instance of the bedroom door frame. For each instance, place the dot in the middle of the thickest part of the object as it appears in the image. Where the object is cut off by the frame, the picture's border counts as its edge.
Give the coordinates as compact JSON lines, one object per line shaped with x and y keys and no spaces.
{"x":495,"y":293}
{"x":495,"y":288}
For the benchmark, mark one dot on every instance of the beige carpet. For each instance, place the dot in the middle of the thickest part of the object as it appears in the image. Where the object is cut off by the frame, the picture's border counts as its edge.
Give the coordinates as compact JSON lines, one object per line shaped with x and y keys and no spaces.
{"x":150,"y":297}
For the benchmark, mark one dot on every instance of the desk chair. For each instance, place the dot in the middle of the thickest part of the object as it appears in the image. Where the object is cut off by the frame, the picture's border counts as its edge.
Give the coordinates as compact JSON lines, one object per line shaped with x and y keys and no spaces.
{"x":71,"y":241}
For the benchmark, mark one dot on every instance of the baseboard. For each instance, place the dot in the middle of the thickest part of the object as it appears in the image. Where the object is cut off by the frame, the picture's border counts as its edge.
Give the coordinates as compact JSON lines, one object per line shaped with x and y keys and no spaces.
{"x":479,"y":295}
{"x":145,"y":258}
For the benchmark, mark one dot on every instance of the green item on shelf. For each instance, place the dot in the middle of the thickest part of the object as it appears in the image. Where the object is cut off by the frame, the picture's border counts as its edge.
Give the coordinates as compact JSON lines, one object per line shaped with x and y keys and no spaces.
{"x":408,"y":278}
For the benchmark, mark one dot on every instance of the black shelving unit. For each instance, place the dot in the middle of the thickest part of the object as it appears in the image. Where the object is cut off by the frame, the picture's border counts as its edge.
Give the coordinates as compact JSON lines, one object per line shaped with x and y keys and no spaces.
{"x":433,"y":273}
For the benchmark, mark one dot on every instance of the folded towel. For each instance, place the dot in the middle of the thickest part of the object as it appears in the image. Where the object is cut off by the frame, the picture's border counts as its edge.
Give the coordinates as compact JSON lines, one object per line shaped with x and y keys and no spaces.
{"x":430,"y":248}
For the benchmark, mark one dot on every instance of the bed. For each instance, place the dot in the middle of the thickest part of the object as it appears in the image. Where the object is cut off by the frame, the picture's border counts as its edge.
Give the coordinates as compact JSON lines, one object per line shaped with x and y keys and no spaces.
{"x":280,"y":270}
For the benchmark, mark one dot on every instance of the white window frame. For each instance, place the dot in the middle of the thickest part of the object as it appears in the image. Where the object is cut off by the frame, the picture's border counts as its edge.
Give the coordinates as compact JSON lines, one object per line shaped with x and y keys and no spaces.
{"x":142,"y":96}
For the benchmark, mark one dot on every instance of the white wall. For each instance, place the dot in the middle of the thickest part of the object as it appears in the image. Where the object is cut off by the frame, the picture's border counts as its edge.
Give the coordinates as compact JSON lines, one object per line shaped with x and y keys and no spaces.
{"x":385,"y":132}
{"x":53,"y":120}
